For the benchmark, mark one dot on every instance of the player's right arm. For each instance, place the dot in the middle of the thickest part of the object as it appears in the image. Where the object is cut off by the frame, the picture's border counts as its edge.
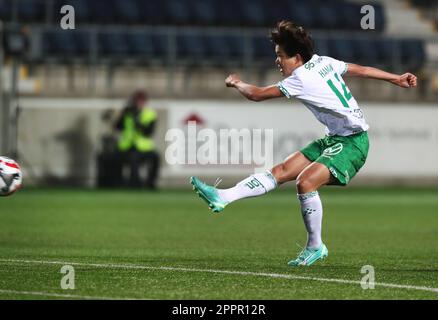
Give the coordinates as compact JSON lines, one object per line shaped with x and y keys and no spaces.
{"x":405,"y":80}
{"x":252,"y":92}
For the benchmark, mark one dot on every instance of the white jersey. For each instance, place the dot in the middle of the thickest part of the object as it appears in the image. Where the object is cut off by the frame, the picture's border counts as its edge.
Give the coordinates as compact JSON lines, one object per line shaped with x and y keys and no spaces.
{"x":318,"y":84}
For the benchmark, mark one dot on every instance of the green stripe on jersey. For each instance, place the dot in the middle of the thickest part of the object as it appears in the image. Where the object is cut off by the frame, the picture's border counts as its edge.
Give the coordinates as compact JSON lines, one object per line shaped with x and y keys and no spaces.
{"x":338,"y":94}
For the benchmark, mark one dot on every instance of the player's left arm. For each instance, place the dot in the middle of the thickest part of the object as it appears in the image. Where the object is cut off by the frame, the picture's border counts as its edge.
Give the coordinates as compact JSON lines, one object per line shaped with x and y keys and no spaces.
{"x":405,"y":80}
{"x":252,"y":92}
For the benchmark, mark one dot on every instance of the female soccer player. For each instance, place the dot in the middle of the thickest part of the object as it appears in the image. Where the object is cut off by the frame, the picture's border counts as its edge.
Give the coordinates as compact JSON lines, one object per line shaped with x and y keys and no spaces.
{"x":332,"y":160}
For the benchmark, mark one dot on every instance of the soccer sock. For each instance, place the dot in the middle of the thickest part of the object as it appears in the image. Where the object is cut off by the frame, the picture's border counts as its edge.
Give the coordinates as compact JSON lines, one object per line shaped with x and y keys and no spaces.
{"x":255,"y":185}
{"x":311,"y":209}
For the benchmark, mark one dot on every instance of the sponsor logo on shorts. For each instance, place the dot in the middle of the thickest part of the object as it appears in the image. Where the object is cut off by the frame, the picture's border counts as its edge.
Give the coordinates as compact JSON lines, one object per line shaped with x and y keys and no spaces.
{"x":333,"y":150}
{"x":333,"y":171}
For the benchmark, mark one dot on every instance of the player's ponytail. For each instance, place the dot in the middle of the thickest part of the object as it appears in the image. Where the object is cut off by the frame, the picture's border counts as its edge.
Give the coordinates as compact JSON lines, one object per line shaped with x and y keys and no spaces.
{"x":294,"y":39}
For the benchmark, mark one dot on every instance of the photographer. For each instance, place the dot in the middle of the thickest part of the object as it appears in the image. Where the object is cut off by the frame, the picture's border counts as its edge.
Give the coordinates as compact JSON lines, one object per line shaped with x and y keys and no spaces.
{"x":137,"y":125}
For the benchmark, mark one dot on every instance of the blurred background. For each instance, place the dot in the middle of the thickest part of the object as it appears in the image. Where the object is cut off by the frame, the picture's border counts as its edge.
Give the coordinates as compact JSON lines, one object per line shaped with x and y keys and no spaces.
{"x":62,"y":91}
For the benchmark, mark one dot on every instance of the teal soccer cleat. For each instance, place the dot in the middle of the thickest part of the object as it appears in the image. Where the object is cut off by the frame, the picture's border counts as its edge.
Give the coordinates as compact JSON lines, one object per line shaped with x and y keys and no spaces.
{"x":209,"y":194}
{"x":309,"y":256}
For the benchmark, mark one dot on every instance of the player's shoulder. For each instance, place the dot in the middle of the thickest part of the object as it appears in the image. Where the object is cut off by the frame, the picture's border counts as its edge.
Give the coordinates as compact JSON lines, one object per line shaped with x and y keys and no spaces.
{"x":325,"y":64}
{"x":296,"y":77}
{"x":313,"y":62}
{"x":302,"y":73}
{"x":317,"y":59}
{"x":326,"y":58}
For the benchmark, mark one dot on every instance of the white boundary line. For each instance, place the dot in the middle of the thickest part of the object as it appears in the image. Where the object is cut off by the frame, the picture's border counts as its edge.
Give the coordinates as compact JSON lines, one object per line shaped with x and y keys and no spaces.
{"x":230,"y":272}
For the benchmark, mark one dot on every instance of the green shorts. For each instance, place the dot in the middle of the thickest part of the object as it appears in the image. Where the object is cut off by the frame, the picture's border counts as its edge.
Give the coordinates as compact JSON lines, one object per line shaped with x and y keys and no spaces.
{"x":343,"y":156}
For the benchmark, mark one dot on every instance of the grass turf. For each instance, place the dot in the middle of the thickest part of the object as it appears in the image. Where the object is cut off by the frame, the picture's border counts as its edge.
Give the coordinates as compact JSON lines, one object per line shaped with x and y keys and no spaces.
{"x":394,"y":230}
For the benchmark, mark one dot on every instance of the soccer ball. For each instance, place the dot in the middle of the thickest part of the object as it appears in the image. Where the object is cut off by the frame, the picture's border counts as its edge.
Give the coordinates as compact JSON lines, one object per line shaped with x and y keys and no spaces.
{"x":10,"y":176}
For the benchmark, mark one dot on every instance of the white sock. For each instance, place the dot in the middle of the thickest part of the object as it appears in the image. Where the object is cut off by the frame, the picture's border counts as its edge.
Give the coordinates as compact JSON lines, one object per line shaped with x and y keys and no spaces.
{"x":255,"y":185}
{"x":311,"y":209}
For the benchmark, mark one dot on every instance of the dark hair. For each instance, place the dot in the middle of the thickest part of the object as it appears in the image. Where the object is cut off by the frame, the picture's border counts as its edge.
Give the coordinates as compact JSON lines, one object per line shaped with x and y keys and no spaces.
{"x":139,"y":95}
{"x":136,"y":97}
{"x":294,"y":39}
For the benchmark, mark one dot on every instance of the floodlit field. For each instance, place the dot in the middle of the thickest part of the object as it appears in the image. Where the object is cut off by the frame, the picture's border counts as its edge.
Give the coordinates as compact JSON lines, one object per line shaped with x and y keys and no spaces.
{"x":167,"y":245}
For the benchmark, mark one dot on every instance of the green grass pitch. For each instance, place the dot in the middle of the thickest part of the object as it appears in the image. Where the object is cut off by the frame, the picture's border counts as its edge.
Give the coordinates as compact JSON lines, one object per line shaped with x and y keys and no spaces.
{"x":167,"y":245}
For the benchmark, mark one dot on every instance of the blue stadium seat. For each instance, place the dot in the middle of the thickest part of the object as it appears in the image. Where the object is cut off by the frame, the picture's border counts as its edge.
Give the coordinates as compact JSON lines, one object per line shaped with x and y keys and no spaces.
{"x":83,"y":41}
{"x":103,"y":11}
{"x":59,"y":43}
{"x":66,"y":45}
{"x":380,"y":17}
{"x":5,"y":10}
{"x":203,"y":11}
{"x":191,"y":47}
{"x":321,"y":46}
{"x":327,"y":15}
{"x":113,"y":45}
{"x":142,"y":44}
{"x":254,"y":12}
{"x":302,"y":13}
{"x":146,"y":47}
{"x":178,"y":11}
{"x":161,"y":44}
{"x":229,"y":14}
{"x":366,"y":51}
{"x":31,"y":10}
{"x":216,"y":47}
{"x":342,"y":49}
{"x":350,"y":16}
{"x":127,"y":11}
{"x":225,"y":49}
{"x":281,"y":11}
{"x":389,"y":52}
{"x":237,"y":46}
{"x":409,"y":53}
{"x":412,"y":54}
{"x":151,"y":12}
{"x":263,"y":50}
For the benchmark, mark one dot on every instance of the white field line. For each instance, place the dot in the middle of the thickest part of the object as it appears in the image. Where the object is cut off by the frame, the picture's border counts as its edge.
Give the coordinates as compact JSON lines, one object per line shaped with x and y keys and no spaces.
{"x":59,"y":295}
{"x":230,"y":272}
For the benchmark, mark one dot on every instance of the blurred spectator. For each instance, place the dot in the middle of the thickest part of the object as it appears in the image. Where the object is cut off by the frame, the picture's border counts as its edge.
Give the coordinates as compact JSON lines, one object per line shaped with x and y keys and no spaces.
{"x":137,"y":125}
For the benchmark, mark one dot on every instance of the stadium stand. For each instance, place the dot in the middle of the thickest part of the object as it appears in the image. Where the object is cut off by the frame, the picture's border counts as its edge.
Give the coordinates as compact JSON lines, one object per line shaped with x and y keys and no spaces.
{"x":330,"y":14}
{"x":94,"y":16}
{"x":200,"y":45}
{"x":198,"y":33}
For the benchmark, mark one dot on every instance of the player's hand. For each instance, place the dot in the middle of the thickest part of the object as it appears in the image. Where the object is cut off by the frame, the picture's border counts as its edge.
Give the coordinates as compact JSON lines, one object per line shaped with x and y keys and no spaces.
{"x":406,"y":80}
{"x":232,"y":80}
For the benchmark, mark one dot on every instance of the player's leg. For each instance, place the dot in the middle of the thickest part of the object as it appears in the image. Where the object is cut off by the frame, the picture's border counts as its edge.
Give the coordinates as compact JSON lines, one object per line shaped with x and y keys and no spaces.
{"x":134,"y":163}
{"x":290,"y":168}
{"x":261,"y":183}
{"x":153,"y":160}
{"x":312,"y":177}
{"x":254,"y":185}
{"x":308,"y":182}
